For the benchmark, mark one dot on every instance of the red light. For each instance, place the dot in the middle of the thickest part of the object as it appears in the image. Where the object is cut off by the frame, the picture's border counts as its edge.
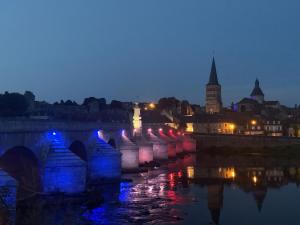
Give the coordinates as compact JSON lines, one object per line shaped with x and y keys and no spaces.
{"x":149,"y":130}
{"x":179,"y":174}
{"x":170,"y":131}
{"x":160,"y":130}
{"x":172,"y":180}
{"x":171,"y":175}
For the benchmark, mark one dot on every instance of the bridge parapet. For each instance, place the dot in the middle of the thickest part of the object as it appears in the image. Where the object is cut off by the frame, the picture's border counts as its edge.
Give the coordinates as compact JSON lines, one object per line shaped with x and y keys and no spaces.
{"x":7,"y":126}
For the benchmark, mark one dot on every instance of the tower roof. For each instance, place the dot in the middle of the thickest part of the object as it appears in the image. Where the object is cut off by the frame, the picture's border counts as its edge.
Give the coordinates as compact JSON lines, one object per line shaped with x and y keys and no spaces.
{"x":213,"y":77}
{"x":257,"y":90}
{"x":259,"y":196}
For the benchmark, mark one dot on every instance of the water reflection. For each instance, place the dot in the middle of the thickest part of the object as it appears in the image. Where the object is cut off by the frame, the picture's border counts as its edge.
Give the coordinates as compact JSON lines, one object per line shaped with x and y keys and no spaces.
{"x":203,"y":189}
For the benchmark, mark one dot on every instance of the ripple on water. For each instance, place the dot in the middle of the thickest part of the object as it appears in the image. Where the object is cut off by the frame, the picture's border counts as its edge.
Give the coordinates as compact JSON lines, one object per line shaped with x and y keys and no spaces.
{"x":147,"y":200}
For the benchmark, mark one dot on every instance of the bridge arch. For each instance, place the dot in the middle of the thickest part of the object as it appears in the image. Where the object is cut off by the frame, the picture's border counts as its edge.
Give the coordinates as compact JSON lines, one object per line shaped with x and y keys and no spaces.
{"x":78,"y":148}
{"x":22,"y":164}
{"x":112,"y":142}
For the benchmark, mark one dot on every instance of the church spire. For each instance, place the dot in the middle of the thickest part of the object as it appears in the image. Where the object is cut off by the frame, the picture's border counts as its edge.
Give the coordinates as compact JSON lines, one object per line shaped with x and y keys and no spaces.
{"x":213,"y":77}
{"x":213,"y":91}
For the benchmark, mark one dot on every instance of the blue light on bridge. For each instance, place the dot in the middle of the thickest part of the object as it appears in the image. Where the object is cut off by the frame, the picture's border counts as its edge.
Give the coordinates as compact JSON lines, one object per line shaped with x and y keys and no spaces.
{"x":100,"y":134}
{"x":65,"y":172}
{"x":123,"y":133}
{"x":53,"y":134}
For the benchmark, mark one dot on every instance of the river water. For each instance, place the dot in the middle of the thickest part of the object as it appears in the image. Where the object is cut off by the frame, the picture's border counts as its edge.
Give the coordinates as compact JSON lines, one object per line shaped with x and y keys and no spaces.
{"x":200,"y":190}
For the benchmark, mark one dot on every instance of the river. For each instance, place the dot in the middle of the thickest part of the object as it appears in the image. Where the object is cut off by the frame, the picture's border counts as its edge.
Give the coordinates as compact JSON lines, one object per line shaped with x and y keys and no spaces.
{"x":201,"y":190}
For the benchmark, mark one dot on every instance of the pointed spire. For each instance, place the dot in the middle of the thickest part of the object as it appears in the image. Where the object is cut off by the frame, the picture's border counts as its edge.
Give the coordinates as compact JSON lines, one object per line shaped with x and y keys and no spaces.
{"x":257,"y":83}
{"x":259,"y":197}
{"x":213,"y":78}
{"x":215,"y":215}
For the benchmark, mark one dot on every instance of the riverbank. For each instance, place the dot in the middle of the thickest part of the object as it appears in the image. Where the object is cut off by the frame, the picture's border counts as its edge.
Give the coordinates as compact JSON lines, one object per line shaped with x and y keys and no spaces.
{"x":245,"y":142}
{"x":289,"y":151}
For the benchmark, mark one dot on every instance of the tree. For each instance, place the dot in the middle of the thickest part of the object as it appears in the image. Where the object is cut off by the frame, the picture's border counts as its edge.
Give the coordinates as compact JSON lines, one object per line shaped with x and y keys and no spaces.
{"x":168,"y":103}
{"x":68,"y":102}
{"x":88,"y":100}
{"x":13,"y":104}
{"x":29,"y":96}
{"x":116,"y":104}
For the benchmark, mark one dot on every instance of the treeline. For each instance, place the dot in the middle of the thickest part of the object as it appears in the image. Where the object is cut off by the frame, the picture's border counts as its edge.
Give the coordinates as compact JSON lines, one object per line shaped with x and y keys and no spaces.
{"x":16,"y":104}
{"x":13,"y":104}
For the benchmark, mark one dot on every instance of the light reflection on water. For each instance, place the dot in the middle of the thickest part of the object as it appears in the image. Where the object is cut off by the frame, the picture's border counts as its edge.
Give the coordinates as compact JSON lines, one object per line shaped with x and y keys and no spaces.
{"x":203,"y":190}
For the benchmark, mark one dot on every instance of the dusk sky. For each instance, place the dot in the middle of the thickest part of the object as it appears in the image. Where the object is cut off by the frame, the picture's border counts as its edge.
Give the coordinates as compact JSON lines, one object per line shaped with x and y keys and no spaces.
{"x":145,"y":49}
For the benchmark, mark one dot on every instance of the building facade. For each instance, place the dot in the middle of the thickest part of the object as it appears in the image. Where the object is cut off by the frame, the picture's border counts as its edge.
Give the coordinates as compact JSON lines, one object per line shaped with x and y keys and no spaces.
{"x":273,"y":127}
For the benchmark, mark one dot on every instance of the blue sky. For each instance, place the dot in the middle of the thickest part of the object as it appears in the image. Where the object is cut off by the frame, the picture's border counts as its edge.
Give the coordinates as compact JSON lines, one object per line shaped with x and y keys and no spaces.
{"x":147,"y":49}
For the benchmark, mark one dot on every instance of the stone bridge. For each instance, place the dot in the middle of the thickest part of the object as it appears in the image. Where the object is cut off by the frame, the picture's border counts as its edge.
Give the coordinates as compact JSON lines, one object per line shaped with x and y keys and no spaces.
{"x":37,"y":135}
{"x":41,"y":155}
{"x":64,"y":157}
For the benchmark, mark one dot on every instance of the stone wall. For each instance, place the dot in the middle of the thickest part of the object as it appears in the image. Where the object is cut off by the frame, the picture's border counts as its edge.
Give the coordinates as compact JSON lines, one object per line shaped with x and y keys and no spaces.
{"x":241,"y":141}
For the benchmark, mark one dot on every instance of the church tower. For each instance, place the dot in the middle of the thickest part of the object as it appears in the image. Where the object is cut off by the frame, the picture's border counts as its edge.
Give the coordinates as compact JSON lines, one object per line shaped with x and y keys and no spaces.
{"x":257,"y":94}
{"x":213,"y":92}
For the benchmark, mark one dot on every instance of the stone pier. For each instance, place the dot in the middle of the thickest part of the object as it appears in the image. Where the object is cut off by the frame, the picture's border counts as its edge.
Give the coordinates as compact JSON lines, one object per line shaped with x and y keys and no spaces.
{"x":171,"y":145}
{"x":145,"y":150}
{"x":64,"y":172}
{"x":178,"y":143}
{"x":160,"y":149}
{"x":189,"y":144}
{"x":104,"y":163}
{"x":130,"y":155}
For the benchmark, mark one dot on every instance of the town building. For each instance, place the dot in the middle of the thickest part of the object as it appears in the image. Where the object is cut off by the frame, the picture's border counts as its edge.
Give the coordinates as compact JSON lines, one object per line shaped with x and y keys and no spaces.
{"x":273,"y":127}
{"x":211,"y":124}
{"x":256,"y":104}
{"x":255,"y":127}
{"x":294,"y":129}
{"x":155,"y":119}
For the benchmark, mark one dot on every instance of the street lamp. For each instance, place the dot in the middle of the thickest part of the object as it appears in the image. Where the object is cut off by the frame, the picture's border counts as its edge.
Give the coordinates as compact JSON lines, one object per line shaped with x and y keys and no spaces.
{"x":253,"y":122}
